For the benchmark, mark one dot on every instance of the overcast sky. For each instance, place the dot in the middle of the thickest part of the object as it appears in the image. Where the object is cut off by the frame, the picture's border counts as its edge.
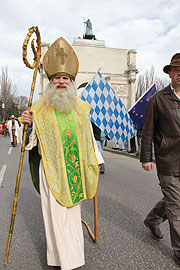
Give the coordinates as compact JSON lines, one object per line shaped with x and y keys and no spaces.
{"x":152,"y":28}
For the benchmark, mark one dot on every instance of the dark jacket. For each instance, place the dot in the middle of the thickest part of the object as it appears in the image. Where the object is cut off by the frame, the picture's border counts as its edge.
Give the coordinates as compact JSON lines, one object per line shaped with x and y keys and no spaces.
{"x":162,"y":127}
{"x":96,"y":131}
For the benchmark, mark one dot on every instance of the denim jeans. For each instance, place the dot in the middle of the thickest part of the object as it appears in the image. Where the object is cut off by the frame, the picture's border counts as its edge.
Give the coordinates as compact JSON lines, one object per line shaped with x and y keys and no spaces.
{"x":100,"y":145}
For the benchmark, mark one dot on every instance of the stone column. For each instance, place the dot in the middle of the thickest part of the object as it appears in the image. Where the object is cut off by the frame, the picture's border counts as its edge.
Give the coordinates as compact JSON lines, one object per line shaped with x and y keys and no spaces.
{"x":132,"y":71}
{"x":132,"y":82}
{"x":43,"y":78}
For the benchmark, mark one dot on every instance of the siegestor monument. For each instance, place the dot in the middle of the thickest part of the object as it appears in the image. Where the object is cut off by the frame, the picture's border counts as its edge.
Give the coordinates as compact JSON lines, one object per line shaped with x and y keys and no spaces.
{"x":117,"y":66}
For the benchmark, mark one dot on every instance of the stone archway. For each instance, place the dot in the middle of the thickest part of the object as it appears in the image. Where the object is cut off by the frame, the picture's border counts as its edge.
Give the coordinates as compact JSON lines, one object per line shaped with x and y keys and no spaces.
{"x":82,"y":85}
{"x":80,"y":88}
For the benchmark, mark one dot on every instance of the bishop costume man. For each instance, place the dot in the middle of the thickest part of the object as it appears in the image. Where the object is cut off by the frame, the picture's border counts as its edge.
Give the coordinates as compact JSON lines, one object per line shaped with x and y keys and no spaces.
{"x":63,"y":157}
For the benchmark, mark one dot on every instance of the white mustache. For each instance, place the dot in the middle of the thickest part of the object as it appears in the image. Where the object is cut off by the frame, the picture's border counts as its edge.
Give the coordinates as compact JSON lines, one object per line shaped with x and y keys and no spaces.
{"x":61,"y":85}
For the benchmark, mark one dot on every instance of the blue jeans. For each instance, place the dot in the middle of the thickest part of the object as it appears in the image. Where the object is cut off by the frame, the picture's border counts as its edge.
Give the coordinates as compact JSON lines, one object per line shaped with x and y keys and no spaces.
{"x":100,"y":145}
{"x":126,"y":145}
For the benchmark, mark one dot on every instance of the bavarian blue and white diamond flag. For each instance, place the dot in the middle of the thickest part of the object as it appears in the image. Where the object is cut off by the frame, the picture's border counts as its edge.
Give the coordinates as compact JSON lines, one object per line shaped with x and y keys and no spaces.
{"x":108,"y":111}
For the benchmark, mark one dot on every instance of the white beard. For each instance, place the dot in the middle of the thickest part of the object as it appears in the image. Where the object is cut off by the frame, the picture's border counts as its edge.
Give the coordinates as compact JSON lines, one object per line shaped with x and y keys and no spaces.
{"x":62,"y":100}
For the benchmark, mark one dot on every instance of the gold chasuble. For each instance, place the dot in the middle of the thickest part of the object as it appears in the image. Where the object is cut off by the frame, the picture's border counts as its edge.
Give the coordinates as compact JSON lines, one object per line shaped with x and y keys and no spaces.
{"x":67,"y":151}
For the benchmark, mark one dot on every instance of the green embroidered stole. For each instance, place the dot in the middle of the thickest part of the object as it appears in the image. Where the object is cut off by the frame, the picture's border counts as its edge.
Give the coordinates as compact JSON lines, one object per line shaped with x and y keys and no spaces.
{"x":67,"y":153}
{"x":67,"y":130}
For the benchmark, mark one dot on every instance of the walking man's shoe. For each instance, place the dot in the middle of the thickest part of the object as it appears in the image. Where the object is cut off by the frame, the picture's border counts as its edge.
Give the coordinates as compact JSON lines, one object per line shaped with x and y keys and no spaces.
{"x":155,"y":232}
{"x":177,"y":259}
{"x":102,"y":170}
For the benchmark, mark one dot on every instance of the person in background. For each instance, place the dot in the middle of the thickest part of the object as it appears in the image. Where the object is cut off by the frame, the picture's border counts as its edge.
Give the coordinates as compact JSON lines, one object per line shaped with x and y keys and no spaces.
{"x":5,"y":128}
{"x":100,"y":142}
{"x":13,"y":131}
{"x":1,"y":128}
{"x":103,"y":141}
{"x":139,"y":135}
{"x":124,"y":146}
{"x":132,"y":145}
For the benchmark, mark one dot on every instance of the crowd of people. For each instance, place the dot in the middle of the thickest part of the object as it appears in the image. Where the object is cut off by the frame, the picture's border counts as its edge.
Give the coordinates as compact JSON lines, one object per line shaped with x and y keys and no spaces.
{"x":66,"y":155}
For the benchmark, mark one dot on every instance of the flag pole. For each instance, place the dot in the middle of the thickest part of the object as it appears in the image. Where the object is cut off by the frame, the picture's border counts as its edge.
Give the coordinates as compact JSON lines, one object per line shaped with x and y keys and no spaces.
{"x":35,"y":65}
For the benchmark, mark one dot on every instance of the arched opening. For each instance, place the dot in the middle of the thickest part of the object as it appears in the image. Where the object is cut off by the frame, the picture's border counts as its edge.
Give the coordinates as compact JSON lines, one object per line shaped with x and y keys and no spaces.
{"x":82,"y":85}
{"x":80,"y":89}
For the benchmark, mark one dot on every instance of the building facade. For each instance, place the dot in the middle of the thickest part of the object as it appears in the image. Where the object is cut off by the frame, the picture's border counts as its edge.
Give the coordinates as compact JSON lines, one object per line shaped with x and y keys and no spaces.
{"x":117,"y":66}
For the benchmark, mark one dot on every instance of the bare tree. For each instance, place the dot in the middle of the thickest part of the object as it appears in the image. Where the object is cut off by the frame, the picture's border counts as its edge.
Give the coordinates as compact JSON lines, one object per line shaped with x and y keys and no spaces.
{"x":22,"y":103}
{"x":161,"y":83}
{"x":146,"y":80}
{"x":7,"y":92}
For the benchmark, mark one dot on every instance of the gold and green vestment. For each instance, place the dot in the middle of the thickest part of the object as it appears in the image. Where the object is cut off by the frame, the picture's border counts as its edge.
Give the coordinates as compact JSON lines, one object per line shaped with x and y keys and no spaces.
{"x":67,"y":152}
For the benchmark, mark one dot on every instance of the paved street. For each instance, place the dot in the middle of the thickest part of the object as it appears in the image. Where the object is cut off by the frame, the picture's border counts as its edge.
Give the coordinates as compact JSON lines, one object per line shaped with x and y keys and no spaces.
{"x":125,"y":194}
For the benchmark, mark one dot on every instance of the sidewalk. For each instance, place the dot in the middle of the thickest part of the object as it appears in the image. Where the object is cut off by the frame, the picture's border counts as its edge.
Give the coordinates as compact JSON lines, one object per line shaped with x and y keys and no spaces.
{"x":109,"y":148}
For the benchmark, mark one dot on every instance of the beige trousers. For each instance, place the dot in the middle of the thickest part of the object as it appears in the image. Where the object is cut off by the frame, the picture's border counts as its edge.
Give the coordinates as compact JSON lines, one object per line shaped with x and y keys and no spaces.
{"x":63,"y":227}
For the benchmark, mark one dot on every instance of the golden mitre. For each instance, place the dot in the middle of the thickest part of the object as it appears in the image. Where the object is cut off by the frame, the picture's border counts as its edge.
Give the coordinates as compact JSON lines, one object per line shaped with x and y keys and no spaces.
{"x":61,"y":59}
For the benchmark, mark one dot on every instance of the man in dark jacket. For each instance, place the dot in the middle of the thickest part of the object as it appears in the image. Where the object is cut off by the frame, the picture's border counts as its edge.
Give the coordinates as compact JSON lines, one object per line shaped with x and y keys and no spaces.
{"x":162,"y":128}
